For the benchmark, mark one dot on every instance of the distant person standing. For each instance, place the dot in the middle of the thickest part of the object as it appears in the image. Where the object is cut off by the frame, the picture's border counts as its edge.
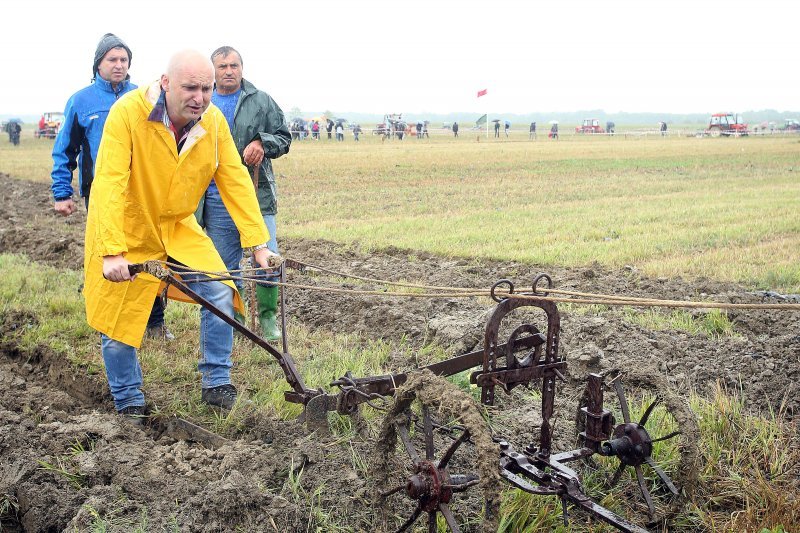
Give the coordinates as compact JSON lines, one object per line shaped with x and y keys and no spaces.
{"x":532,"y":134}
{"x":425,"y":129}
{"x":14,"y":130}
{"x":455,"y":129}
{"x":419,"y":130}
{"x":78,"y":140}
{"x":663,"y":129}
{"x":505,"y":129}
{"x":497,"y":129}
{"x":339,"y":132}
{"x":329,"y":128}
{"x":554,"y":131}
{"x":356,"y":131}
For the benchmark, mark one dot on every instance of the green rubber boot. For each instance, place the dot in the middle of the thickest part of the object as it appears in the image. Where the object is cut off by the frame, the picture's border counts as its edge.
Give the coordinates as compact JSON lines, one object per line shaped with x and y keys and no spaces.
{"x":267,"y":298}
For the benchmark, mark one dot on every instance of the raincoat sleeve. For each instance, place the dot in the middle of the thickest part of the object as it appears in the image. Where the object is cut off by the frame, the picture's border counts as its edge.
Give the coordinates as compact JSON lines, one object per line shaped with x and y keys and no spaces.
{"x":236,"y":189}
{"x":275,"y":135}
{"x":65,"y":153}
{"x":110,"y":186}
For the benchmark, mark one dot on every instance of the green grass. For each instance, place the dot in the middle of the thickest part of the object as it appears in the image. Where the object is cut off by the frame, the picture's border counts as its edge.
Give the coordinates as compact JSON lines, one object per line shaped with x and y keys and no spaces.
{"x":109,"y":520}
{"x":719,"y":208}
{"x":749,"y":463}
{"x":713,"y":323}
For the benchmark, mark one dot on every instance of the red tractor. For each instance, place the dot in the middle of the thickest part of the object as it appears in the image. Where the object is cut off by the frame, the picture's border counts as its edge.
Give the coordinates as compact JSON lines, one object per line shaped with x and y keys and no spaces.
{"x":49,"y":125}
{"x":726,"y":124}
{"x":590,"y":125}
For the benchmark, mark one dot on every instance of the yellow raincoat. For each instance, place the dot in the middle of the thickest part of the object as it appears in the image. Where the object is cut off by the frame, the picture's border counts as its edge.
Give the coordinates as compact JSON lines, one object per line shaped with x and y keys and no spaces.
{"x":142,"y":205}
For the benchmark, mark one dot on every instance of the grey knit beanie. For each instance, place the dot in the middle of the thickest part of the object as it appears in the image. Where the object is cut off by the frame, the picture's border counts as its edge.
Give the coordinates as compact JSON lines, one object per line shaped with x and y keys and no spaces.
{"x":108,"y":42}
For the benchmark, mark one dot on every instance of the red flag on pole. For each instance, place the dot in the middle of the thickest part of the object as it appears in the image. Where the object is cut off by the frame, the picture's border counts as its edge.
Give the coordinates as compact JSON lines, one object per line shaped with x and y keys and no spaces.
{"x":481,"y":93}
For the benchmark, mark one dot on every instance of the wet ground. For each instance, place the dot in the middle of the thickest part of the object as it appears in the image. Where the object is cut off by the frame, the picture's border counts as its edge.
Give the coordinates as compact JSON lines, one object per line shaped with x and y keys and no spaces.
{"x":66,"y":458}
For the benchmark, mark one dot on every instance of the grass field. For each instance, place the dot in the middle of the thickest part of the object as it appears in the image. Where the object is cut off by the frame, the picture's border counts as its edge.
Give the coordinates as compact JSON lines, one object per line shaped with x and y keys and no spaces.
{"x":722,"y":208}
{"x":745,"y":484}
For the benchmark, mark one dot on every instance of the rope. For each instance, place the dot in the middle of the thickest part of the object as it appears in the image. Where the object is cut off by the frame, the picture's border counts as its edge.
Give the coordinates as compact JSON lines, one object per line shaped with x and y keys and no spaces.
{"x":581,"y":298}
{"x":588,"y":298}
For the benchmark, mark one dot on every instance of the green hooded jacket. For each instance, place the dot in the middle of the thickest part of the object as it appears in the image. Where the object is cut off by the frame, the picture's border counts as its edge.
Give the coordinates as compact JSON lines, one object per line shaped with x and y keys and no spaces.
{"x":258,"y":116}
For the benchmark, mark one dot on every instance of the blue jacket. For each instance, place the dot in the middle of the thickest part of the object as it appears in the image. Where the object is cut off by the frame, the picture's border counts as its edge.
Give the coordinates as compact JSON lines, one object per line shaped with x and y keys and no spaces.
{"x":79,"y":137}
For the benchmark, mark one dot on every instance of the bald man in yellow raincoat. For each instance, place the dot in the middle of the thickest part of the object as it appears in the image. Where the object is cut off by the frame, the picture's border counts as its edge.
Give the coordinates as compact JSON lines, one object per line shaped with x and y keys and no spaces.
{"x":160,"y":149}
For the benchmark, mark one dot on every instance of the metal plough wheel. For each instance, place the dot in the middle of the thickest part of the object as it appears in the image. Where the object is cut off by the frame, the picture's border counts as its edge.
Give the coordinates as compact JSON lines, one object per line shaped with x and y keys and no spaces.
{"x":639,"y":427}
{"x":417,"y":475}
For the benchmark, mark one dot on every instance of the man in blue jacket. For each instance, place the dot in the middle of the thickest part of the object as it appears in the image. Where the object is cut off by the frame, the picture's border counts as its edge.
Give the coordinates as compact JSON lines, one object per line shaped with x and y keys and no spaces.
{"x":79,"y":138}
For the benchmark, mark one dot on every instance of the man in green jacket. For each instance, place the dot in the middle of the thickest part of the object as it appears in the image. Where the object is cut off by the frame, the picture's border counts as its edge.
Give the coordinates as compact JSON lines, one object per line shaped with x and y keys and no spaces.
{"x":260,"y":132}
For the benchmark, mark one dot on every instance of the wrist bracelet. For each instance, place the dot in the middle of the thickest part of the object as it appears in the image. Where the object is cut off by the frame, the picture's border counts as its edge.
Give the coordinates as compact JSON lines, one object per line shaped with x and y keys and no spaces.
{"x":258,"y":247}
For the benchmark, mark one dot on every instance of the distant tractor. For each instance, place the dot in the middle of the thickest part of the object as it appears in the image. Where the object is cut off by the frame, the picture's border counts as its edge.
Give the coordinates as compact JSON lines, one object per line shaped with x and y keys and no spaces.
{"x":393,"y":125}
{"x":727,"y":124}
{"x":49,"y":125}
{"x":590,"y":125}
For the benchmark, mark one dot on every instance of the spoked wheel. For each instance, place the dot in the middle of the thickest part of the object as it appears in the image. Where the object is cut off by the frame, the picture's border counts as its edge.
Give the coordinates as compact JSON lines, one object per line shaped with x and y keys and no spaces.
{"x":418,"y":475}
{"x":656,"y":428}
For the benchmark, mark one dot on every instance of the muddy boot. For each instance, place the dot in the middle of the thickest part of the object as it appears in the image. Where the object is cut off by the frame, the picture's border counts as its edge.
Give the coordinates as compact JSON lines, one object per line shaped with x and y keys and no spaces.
{"x":267,"y":298}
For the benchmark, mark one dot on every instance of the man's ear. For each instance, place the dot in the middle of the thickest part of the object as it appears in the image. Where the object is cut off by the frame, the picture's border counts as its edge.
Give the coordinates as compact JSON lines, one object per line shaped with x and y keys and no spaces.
{"x":164,"y":82}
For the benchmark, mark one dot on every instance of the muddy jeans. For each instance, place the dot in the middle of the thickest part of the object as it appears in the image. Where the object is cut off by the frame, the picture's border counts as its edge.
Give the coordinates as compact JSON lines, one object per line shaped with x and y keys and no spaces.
{"x":216,"y":342}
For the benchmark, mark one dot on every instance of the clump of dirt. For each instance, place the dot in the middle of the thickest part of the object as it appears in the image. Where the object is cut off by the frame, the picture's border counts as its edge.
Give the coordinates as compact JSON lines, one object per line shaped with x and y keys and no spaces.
{"x":67,"y":459}
{"x":65,"y":456}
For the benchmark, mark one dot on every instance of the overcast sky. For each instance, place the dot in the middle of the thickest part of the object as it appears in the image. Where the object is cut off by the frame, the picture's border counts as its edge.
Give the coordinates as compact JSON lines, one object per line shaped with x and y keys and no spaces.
{"x":411,"y":56}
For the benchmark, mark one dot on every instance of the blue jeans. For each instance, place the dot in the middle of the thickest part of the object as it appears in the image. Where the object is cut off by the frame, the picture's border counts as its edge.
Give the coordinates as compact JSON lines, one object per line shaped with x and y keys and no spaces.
{"x":216,"y":342}
{"x":223,"y":233}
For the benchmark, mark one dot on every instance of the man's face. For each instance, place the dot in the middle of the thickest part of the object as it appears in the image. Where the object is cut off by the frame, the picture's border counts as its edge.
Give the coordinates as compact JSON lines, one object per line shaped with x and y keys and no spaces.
{"x":188,"y":92}
{"x":114,"y":66}
{"x":228,"y":73}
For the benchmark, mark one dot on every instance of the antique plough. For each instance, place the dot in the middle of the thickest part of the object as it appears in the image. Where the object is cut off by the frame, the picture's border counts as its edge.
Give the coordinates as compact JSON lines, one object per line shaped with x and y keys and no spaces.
{"x":528,"y":357}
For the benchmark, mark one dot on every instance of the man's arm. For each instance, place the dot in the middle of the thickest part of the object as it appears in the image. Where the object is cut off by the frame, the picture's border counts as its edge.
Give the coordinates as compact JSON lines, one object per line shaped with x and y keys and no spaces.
{"x":275,"y":135}
{"x":273,"y":139}
{"x":65,"y":159}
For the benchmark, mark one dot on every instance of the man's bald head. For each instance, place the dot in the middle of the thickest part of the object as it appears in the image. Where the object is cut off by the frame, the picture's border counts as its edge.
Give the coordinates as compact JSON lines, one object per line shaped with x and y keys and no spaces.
{"x":188,"y":83}
{"x":189,"y":60}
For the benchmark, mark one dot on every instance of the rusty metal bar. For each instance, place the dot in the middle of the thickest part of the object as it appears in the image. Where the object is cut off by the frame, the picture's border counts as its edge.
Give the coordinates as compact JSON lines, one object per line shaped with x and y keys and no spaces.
{"x":599,"y":421}
{"x":284,"y":359}
{"x":386,"y":384}
{"x":517,"y":375}
{"x":563,"y":482}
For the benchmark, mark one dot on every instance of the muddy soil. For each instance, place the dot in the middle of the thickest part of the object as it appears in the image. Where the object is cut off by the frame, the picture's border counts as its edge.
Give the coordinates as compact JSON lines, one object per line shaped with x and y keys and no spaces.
{"x":96,"y":464}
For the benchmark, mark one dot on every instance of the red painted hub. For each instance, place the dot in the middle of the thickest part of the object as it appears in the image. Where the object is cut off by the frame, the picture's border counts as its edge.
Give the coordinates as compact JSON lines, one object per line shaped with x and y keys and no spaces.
{"x":429,"y":485}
